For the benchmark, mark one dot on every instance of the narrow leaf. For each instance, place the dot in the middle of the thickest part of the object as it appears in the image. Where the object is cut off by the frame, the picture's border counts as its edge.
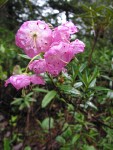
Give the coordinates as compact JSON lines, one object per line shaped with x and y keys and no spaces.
{"x":24,"y":56}
{"x":6,"y":144}
{"x":100,"y":88}
{"x":16,"y":101}
{"x":48,"y":98}
{"x":40,"y":90}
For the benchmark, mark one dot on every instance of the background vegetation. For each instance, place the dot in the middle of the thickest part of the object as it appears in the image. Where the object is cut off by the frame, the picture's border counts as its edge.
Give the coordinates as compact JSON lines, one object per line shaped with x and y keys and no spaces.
{"x":75,"y":110}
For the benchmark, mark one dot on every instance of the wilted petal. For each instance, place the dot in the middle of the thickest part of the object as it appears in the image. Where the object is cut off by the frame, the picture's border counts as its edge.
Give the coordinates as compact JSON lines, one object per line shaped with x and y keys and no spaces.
{"x":37,"y":80}
{"x":18,"y":81}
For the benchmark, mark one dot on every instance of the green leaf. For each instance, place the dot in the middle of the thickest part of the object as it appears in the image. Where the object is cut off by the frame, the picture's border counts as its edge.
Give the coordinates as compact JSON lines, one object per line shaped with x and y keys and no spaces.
{"x":84,"y":78}
{"x":69,"y":90}
{"x":32,"y":100}
{"x":78,"y":84}
{"x":24,"y":56}
{"x":2,"y":48}
{"x":60,"y":139}
{"x":110,"y":94}
{"x":30,"y":94}
{"x":47,"y":123}
{"x":99,"y":8}
{"x":87,"y":147}
{"x":92,"y":84}
{"x":22,"y":106}
{"x":110,"y":10}
{"x":75,"y":138}
{"x":106,"y":77}
{"x":100,"y":88}
{"x":92,"y":105}
{"x":74,"y":91}
{"x":40,"y":90}
{"x":65,"y":87}
{"x":48,"y":98}
{"x":82,"y":67}
{"x":17,"y":101}
{"x":27,"y":148}
{"x":6,"y":144}
{"x":70,"y":107}
{"x":27,"y":103}
{"x":67,"y":133}
{"x":95,"y":74}
{"x":13,"y":118}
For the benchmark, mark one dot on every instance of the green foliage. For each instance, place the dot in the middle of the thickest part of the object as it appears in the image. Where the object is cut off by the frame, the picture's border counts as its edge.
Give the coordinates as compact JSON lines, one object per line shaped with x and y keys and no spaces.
{"x":86,"y":147}
{"x":7,"y":144}
{"x":48,"y":97}
{"x":24,"y":102}
{"x":8,"y":53}
{"x":47,"y":123}
{"x":27,"y":148}
{"x":2,"y":2}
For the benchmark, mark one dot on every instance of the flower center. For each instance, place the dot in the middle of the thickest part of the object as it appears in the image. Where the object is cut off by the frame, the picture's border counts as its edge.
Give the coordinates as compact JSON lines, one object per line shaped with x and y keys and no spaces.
{"x":34,"y":35}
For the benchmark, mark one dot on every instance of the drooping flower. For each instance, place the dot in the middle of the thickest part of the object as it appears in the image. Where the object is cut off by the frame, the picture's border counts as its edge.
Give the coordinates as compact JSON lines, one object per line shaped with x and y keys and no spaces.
{"x":21,"y":81}
{"x":63,"y":32}
{"x":58,"y":56}
{"x":37,"y":80}
{"x":18,"y":81}
{"x":34,"y":37}
{"x":38,"y":66}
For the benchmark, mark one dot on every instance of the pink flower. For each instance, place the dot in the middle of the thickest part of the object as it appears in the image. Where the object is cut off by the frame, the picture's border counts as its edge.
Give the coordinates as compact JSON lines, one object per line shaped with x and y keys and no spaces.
{"x":62,"y":32}
{"x":58,"y":56}
{"x":38,"y":66}
{"x":21,"y":81}
{"x":18,"y":81}
{"x":77,"y":46}
{"x":34,"y":37}
{"x":71,"y":28}
{"x":37,"y":80}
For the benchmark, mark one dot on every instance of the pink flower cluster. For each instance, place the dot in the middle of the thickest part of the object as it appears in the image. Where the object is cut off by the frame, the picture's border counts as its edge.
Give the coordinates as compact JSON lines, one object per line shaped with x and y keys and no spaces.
{"x":36,"y":37}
